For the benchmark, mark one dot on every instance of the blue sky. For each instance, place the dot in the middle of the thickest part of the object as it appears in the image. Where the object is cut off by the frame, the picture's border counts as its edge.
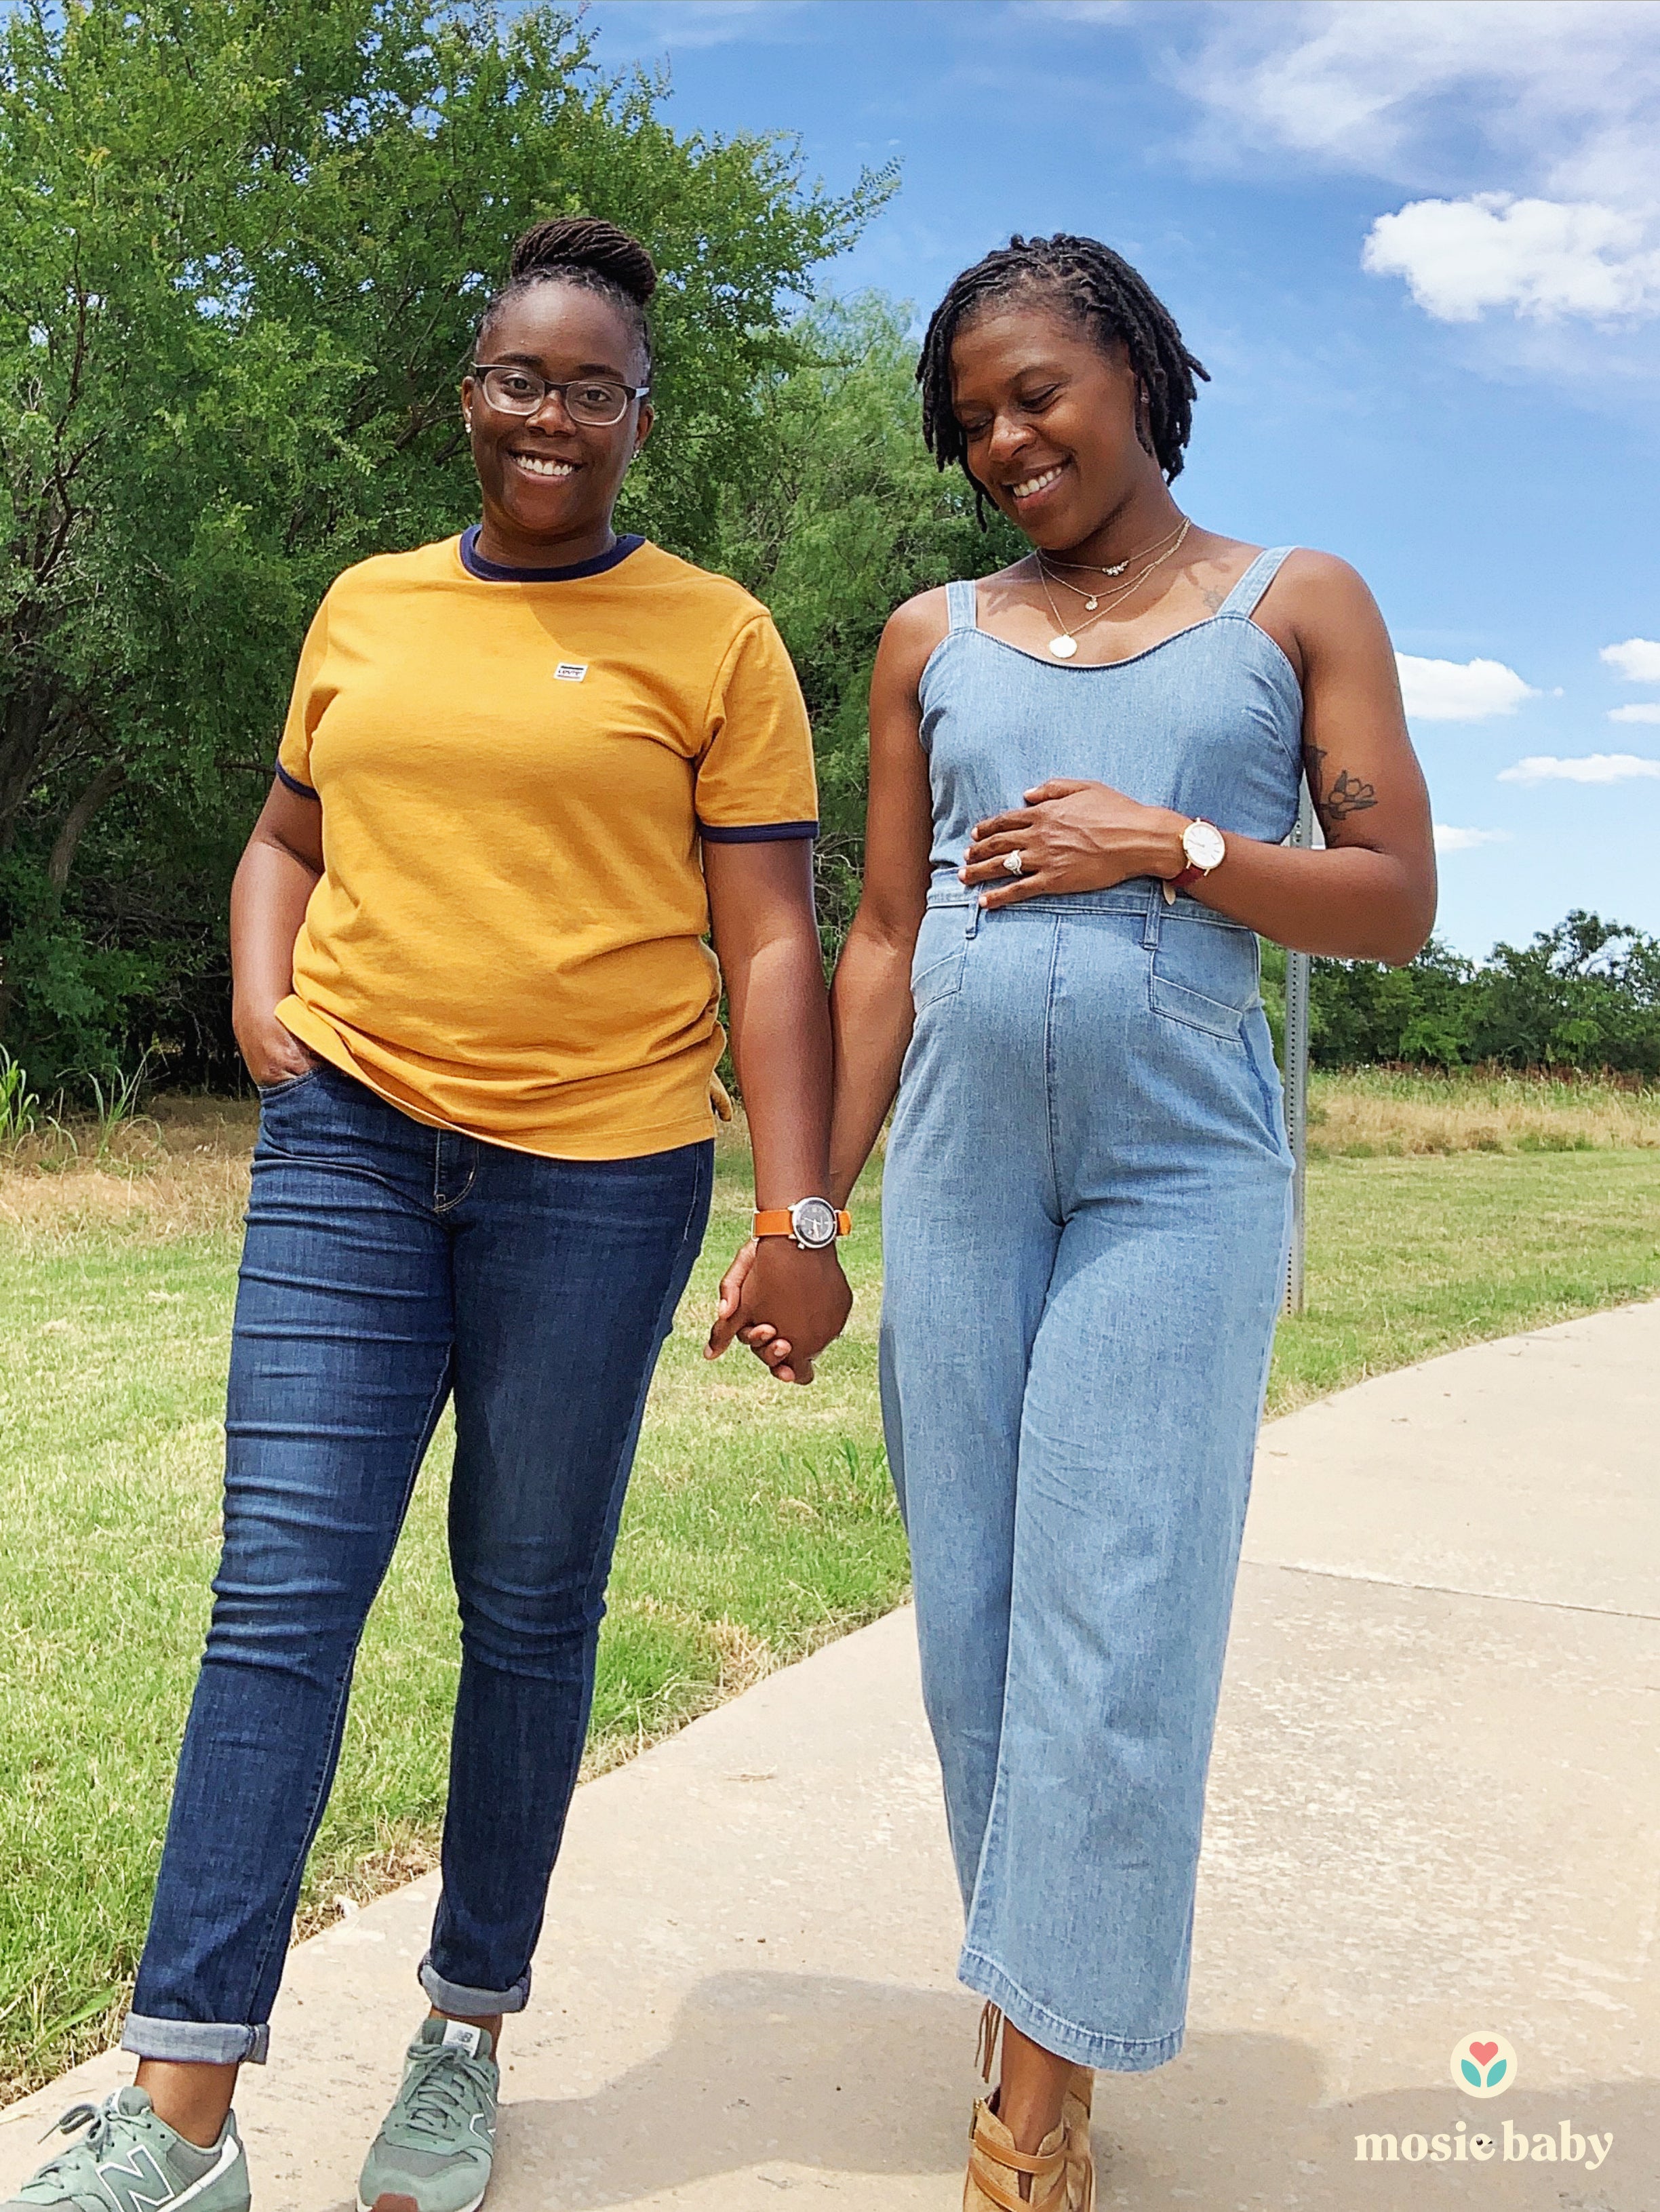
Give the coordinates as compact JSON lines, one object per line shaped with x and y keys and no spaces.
{"x":1417,"y":243}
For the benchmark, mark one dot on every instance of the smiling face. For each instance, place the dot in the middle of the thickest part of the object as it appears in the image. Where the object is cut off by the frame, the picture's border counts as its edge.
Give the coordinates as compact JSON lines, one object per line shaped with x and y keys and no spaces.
{"x":549,"y":483}
{"x":1048,"y":418}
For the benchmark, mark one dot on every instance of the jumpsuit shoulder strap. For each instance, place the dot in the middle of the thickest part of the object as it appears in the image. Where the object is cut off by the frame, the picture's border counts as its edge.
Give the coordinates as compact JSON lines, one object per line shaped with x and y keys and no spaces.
{"x":1243,"y":598}
{"x":959,"y":601}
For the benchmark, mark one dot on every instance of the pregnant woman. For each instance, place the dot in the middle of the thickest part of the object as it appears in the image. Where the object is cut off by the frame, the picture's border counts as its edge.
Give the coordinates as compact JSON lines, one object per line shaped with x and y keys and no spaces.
{"x":1082,"y":771}
{"x":524,"y":770}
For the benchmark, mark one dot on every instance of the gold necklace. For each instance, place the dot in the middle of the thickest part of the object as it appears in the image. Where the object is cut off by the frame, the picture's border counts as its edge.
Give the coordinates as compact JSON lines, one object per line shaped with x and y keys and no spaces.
{"x":1064,"y":644}
{"x":1047,"y":561}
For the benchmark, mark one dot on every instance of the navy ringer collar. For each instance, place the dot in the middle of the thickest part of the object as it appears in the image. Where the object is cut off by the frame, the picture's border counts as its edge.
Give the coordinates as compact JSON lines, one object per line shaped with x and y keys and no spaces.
{"x":495,"y":572}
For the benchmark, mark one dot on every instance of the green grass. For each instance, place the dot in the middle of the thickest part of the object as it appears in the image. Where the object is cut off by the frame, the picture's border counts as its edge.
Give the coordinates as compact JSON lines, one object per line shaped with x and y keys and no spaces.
{"x":1412,"y":1256}
{"x":760,"y":1521}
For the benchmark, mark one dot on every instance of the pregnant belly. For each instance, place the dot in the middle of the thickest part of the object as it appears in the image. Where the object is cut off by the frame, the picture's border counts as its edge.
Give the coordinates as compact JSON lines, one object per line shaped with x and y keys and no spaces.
{"x":1025,"y":979}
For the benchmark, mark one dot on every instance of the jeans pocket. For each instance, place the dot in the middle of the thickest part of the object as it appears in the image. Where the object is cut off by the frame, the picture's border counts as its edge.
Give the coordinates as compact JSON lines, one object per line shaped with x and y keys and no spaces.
{"x":269,"y":1091}
{"x":936,"y":968}
{"x":1204,"y":975}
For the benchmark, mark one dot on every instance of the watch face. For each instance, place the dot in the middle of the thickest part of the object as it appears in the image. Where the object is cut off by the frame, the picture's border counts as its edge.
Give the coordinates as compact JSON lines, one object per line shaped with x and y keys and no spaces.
{"x":1202,"y":843}
{"x":815,"y":1223}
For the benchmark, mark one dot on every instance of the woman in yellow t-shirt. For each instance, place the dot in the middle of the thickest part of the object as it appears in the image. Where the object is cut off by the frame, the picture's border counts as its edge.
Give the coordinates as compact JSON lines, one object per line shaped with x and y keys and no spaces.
{"x":525,"y":772}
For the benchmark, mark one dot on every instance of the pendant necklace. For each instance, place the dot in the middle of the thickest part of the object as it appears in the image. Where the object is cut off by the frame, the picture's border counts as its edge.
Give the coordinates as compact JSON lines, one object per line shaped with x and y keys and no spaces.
{"x":1064,"y":644}
{"x":1091,"y":599}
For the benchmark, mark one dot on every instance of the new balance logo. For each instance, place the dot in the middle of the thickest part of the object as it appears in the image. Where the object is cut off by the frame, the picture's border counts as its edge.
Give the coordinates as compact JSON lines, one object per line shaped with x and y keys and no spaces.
{"x":136,"y":2182}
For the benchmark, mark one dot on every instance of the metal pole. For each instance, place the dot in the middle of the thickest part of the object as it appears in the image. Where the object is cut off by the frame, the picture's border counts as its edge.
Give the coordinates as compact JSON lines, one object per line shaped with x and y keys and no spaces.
{"x":1297,"y":1083}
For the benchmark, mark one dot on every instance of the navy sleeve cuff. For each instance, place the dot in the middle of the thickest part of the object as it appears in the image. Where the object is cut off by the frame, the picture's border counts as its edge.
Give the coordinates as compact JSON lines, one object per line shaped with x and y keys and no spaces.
{"x":755,"y":833}
{"x":294,"y":783}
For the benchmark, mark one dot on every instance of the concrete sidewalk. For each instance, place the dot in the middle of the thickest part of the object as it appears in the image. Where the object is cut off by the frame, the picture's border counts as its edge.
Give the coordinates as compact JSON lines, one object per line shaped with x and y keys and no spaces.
{"x":1434,"y":1816}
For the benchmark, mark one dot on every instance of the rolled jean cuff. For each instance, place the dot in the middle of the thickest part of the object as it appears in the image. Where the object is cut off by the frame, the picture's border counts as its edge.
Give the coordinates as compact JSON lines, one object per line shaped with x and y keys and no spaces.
{"x":197,"y":2042}
{"x":472,"y":2004}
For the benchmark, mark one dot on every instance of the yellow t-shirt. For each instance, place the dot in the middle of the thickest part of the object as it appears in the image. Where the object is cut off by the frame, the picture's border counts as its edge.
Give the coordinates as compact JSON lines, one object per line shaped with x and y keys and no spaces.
{"x":514,"y":775}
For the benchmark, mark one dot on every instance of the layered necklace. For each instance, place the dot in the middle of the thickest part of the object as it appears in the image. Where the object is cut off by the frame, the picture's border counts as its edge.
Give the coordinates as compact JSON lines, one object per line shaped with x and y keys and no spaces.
{"x":1064,"y":643}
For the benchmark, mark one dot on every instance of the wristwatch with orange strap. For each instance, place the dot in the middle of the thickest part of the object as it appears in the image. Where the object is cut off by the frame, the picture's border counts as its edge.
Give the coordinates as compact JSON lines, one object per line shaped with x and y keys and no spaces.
{"x":813,"y":1223}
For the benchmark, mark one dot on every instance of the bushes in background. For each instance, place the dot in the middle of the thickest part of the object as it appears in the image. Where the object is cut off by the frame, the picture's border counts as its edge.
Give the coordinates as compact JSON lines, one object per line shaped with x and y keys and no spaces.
{"x":1585,"y":994}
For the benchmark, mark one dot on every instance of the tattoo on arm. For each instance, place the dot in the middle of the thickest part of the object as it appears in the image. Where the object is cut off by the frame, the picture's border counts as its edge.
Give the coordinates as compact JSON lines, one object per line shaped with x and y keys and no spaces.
{"x":1348,"y":794}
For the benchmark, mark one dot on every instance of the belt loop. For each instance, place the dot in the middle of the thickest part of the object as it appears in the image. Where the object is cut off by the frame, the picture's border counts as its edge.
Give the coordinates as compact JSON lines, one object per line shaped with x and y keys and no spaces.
{"x":1155,"y":915}
{"x":975,"y":912}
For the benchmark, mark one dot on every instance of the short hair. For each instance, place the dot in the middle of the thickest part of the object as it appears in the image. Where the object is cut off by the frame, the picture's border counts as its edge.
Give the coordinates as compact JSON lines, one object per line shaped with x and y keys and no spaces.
{"x":594,"y":255}
{"x":1115,"y":303}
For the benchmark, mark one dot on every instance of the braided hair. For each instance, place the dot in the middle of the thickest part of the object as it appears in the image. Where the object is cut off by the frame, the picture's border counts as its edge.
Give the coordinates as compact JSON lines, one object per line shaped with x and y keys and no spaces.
{"x":594,"y":256}
{"x":1114,"y":304}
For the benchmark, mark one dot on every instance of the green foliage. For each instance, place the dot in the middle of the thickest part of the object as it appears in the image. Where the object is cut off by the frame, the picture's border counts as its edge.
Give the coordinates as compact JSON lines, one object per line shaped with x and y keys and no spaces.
{"x":245,"y":245}
{"x":1585,"y":994}
{"x":843,"y":516}
{"x":18,"y":1104}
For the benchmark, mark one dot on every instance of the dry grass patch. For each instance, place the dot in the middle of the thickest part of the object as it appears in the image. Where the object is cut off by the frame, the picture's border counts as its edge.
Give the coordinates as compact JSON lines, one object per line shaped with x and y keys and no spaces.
{"x":179,"y":1170}
{"x":1383,"y":1113}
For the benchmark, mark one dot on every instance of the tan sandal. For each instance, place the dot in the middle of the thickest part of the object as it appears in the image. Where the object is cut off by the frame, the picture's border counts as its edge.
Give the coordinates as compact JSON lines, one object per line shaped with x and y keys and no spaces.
{"x":1079,"y":2157}
{"x":995,"y":2167}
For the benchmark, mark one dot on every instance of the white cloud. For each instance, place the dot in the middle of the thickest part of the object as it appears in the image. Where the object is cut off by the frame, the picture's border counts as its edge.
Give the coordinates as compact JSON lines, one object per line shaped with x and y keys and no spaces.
{"x":1554,"y":100}
{"x":1638,"y":659}
{"x":1372,"y":84}
{"x":1585,"y":768}
{"x":1648,"y":712}
{"x":1449,"y":840}
{"x":1459,"y":690}
{"x":1540,"y":258}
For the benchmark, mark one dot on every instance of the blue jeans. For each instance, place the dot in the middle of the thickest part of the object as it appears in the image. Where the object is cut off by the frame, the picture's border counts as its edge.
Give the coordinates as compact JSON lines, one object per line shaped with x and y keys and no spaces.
{"x":1084,"y":1214}
{"x":388,"y":1265}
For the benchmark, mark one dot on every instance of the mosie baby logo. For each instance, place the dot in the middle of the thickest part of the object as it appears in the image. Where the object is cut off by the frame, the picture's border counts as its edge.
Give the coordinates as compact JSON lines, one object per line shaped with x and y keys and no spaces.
{"x":1485,"y":2066}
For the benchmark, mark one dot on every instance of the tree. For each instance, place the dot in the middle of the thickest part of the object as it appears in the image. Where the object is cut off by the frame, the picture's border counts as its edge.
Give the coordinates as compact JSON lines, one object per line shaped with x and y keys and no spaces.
{"x":243,"y":246}
{"x":1584,"y":995}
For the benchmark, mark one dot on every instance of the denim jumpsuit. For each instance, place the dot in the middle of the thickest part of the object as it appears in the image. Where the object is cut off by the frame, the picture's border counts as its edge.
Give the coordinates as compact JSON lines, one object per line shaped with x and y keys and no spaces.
{"x":1084,"y":1214}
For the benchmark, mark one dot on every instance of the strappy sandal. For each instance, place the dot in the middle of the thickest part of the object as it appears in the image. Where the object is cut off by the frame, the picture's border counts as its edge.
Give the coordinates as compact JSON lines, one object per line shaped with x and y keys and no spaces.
{"x":995,"y":2167}
{"x":1074,"y":2121}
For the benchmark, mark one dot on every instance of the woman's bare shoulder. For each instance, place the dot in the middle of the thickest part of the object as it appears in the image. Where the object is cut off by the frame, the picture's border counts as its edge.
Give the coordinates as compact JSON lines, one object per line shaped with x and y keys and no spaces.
{"x":911,"y":632}
{"x":926,"y":617}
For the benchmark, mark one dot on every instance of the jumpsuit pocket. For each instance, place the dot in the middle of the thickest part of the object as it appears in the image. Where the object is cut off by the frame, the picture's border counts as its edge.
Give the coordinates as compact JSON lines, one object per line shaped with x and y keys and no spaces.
{"x":942,"y":944}
{"x":1204,"y":974}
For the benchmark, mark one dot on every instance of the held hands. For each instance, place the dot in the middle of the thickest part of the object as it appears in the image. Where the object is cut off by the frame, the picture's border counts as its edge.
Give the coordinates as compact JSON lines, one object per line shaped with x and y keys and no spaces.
{"x":804,"y":1295}
{"x":1072,"y":837}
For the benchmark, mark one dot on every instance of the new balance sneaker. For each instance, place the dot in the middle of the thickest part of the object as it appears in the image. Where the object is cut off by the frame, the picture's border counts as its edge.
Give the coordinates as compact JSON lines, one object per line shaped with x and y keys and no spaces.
{"x":435,"y":2145}
{"x":130,"y":2160}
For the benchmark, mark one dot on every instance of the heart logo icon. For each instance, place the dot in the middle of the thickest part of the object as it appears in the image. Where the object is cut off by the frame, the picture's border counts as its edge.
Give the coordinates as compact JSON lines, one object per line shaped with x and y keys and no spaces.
{"x":1483,"y":2052}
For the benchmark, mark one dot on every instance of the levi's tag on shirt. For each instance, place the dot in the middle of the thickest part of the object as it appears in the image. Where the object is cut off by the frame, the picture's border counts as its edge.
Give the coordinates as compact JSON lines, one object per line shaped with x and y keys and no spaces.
{"x":570,"y":672}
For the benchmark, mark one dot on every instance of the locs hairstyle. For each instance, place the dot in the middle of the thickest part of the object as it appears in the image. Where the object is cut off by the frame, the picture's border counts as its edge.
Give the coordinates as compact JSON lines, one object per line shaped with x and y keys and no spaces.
{"x":583,"y":251}
{"x":1114,"y":303}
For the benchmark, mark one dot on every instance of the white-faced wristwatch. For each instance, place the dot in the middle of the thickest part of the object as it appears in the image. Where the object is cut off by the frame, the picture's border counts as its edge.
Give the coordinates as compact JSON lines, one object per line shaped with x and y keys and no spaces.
{"x":813,"y":1223}
{"x":1206,"y":848}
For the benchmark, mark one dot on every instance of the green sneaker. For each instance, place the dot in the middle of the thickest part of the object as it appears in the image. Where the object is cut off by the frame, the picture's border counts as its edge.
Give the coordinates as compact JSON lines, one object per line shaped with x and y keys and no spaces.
{"x":435,"y":2145}
{"x":129,"y":2160}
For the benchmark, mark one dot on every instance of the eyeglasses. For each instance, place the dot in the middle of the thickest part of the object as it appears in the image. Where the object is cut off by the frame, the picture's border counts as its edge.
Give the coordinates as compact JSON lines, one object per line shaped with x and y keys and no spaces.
{"x":594,"y":400}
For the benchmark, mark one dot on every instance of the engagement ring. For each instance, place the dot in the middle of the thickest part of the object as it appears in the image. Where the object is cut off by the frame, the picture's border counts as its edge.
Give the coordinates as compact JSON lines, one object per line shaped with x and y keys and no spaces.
{"x":1015,"y":863}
